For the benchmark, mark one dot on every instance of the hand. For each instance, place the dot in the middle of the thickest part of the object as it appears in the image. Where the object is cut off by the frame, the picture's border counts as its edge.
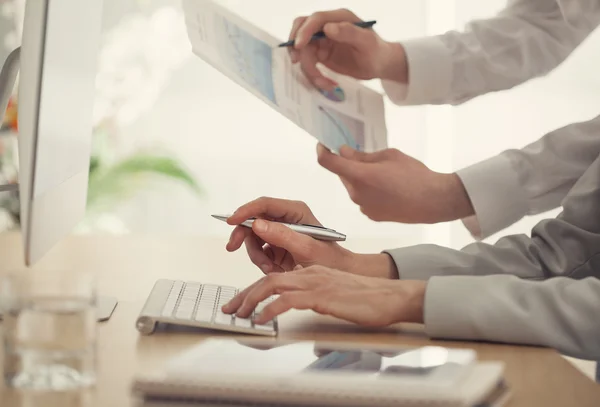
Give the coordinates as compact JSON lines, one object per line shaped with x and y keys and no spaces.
{"x":363,"y":300}
{"x":389,"y":185}
{"x":276,"y":248}
{"x":347,"y":49}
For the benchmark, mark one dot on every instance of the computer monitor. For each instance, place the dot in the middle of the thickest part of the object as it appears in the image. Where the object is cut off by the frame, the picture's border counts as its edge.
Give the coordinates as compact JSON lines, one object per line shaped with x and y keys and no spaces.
{"x":58,"y":63}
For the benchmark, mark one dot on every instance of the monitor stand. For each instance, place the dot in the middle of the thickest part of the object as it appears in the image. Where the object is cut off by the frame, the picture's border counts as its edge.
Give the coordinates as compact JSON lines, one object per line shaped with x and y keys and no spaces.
{"x":105,"y":307}
{"x":8,"y":75}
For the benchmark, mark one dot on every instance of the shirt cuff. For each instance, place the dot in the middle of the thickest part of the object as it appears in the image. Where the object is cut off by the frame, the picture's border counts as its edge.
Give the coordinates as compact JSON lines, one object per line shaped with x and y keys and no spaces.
{"x":496,"y":194}
{"x":429,"y":73}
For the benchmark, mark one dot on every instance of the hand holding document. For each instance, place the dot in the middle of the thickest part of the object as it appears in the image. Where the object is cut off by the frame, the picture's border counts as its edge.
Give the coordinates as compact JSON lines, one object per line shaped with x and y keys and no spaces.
{"x":352,"y":114}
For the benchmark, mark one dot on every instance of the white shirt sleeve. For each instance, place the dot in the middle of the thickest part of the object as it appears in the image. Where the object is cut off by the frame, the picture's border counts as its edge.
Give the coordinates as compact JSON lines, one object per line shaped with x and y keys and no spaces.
{"x":527,"y":39}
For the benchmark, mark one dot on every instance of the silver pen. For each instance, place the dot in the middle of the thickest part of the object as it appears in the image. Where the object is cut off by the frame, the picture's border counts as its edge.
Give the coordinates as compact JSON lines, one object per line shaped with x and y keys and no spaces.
{"x":316,"y":232}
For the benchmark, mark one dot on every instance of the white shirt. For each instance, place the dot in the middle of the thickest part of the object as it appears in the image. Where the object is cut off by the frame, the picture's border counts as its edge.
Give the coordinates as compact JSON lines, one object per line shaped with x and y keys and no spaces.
{"x":527,"y":39}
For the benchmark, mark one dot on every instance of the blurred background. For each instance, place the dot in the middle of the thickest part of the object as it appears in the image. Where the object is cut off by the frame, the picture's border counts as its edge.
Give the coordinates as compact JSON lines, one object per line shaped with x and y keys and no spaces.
{"x":175,"y":141}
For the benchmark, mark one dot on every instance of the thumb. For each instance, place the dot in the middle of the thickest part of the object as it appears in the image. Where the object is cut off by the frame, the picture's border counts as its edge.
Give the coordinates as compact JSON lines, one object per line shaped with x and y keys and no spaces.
{"x":376,"y":156}
{"x":348,"y":33}
{"x":279,"y":235}
{"x":355,"y":155}
{"x":341,"y":166}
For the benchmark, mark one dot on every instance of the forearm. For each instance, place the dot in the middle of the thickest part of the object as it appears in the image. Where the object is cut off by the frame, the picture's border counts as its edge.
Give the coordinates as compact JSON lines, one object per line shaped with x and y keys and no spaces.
{"x":561,"y":313}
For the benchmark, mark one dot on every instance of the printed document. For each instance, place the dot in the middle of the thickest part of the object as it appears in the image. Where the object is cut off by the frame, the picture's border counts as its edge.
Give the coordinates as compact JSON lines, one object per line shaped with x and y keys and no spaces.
{"x":353,"y":114}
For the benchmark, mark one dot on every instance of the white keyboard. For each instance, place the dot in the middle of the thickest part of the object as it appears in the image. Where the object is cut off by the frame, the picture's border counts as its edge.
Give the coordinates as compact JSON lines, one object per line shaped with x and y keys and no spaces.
{"x":191,"y":303}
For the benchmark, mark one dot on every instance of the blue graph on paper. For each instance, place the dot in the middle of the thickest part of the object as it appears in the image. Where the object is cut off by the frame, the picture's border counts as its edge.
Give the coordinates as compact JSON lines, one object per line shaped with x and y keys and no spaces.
{"x":337,"y":129}
{"x":248,"y":57}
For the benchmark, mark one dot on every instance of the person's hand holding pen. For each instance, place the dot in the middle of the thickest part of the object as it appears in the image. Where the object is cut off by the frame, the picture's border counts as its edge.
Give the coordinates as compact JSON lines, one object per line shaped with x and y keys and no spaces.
{"x":346,"y":49}
{"x":275,"y":248}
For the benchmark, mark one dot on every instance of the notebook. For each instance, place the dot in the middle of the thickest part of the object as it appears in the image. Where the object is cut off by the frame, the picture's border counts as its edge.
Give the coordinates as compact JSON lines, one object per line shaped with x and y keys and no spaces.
{"x":271,"y":372}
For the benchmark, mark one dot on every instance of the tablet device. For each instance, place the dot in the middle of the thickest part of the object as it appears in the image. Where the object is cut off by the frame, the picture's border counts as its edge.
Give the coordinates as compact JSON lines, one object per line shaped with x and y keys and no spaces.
{"x":267,"y":373}
{"x":254,"y":358}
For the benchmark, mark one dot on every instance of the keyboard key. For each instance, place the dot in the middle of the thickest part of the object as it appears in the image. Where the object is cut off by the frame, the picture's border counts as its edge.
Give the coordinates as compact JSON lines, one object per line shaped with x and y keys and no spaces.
{"x":168,"y":309}
{"x":243,"y":322}
{"x":204,"y":315}
{"x":202,"y":303}
{"x":208,"y":293}
{"x":224,"y":300}
{"x":171,"y":302}
{"x":222,"y":318}
{"x":211,"y":287}
{"x":265,"y":327}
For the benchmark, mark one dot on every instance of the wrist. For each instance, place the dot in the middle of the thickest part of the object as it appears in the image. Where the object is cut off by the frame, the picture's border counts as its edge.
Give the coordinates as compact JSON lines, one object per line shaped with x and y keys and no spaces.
{"x":453,"y":199}
{"x":379,"y":265}
{"x":408,"y":301}
{"x":416,"y":302}
{"x":393,"y":64}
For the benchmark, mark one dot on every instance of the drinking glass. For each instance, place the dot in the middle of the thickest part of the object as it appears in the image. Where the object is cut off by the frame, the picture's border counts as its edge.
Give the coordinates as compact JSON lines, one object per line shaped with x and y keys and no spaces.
{"x":49,"y":329}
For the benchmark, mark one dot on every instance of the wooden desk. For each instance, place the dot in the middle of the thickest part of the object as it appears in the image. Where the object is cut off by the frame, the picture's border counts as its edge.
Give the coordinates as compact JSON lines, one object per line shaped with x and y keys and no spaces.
{"x":128,"y":266}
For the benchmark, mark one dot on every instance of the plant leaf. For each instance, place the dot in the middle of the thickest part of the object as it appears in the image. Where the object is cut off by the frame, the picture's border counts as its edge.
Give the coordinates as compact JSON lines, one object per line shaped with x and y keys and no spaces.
{"x":121,"y":180}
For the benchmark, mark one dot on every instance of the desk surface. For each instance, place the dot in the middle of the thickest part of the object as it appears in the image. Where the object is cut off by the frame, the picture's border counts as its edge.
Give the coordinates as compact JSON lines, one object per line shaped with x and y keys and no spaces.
{"x":128,"y":266}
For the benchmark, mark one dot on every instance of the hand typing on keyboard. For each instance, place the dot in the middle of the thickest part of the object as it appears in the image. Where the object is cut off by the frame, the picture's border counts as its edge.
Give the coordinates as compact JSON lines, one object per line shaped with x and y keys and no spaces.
{"x":196,"y":304}
{"x":363,"y":300}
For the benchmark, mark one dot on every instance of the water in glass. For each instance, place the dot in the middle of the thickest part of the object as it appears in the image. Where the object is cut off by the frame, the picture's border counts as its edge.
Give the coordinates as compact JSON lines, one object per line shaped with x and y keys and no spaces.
{"x":50,"y":342}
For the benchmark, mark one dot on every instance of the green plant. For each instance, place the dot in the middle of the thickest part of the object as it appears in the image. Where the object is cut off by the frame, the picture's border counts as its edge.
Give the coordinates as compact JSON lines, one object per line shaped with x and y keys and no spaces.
{"x":112,"y":184}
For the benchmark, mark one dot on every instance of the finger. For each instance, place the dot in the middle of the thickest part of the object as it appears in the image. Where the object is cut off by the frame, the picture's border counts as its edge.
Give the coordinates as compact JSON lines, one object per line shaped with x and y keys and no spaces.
{"x":355,"y":155}
{"x":300,"y":300}
{"x":388,"y":154}
{"x":352,"y":191}
{"x":308,"y":62}
{"x":276,"y":209}
{"x":274,"y":284}
{"x":324,"y":50}
{"x":271,"y":253}
{"x":317,"y":21}
{"x":347,"y":33}
{"x":276,"y":234}
{"x":233,"y":305}
{"x":348,"y":169}
{"x":295,"y":27}
{"x":351,"y":305}
{"x":257,"y":255}
{"x":237,"y":238}
{"x":282,"y":258}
